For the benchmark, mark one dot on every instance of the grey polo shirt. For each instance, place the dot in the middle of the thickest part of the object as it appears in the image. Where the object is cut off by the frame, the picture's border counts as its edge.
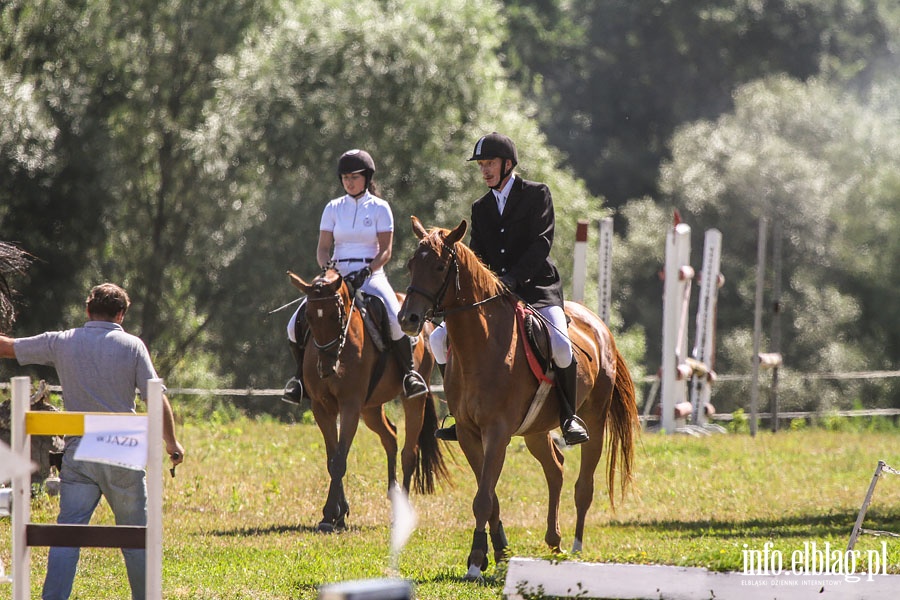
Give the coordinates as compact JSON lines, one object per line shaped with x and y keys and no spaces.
{"x":99,"y":365}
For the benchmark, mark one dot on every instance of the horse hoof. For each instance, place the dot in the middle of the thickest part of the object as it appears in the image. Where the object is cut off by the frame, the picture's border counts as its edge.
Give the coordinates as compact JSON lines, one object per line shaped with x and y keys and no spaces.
{"x":473,"y":574}
{"x":325,"y":527}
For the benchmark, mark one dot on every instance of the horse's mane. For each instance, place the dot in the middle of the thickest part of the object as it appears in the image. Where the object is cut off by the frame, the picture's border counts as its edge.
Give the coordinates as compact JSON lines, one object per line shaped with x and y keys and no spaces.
{"x":483,"y":278}
{"x":13,"y":261}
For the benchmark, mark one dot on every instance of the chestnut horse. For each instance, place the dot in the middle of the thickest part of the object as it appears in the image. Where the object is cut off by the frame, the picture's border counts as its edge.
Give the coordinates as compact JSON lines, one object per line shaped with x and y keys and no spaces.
{"x":489,"y":386}
{"x":339,"y":370}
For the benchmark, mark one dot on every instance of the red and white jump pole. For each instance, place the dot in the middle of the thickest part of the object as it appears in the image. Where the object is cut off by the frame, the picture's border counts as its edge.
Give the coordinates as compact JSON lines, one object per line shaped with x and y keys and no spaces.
{"x":604,"y":275}
{"x":580,"y":264}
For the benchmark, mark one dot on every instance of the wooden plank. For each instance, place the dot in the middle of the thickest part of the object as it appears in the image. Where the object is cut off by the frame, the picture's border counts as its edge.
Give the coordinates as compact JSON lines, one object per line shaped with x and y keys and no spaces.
{"x":41,"y":422}
{"x":86,"y":536}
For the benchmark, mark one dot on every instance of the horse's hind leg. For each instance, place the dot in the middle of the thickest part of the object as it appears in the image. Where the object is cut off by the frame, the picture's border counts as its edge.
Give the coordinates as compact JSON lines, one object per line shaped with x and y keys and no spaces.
{"x":377,"y":421}
{"x":591,"y":452}
{"x":545,"y":451}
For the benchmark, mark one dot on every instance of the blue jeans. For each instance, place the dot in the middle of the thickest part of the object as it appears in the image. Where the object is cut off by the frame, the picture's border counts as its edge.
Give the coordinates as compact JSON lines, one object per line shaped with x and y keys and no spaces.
{"x":81,"y":485}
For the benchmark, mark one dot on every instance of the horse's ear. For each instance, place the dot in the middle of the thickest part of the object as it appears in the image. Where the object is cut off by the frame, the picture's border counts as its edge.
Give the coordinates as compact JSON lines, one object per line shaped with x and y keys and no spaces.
{"x":457,"y":234}
{"x":299,"y":283}
{"x":418,"y":228}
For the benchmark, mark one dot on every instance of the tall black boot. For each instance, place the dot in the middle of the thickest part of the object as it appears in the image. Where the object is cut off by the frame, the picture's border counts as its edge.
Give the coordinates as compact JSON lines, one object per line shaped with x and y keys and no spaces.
{"x":414,"y":384}
{"x":448,"y":434}
{"x":293,"y":390}
{"x":573,"y":429}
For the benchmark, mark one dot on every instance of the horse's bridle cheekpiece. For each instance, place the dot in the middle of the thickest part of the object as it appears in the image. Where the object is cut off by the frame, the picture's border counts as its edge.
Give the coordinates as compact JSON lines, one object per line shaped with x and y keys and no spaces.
{"x":343,"y":327}
{"x":437,"y":299}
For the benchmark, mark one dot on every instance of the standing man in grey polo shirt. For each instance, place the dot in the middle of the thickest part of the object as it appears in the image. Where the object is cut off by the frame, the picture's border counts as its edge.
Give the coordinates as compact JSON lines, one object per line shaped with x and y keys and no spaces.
{"x":99,"y":366}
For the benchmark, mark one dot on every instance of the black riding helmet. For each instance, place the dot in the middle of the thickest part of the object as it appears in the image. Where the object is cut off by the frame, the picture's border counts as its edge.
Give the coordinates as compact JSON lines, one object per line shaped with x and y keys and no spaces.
{"x":496,"y":145}
{"x":356,"y":161}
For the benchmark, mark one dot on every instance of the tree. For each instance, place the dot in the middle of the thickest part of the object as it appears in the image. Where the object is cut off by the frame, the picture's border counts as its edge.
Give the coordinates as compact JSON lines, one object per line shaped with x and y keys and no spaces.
{"x":415,"y":87}
{"x":823,"y":165}
{"x":191,"y":147}
{"x":613,"y":80}
{"x":125,"y":85}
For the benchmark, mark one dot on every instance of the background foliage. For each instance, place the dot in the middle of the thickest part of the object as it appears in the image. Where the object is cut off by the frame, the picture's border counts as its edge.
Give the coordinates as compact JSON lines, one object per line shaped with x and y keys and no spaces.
{"x":186,"y":149}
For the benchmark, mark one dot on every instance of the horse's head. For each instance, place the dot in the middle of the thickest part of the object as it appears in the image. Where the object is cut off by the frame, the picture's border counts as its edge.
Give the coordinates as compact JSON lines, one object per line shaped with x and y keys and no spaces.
{"x":433,"y":275}
{"x":328,"y":308}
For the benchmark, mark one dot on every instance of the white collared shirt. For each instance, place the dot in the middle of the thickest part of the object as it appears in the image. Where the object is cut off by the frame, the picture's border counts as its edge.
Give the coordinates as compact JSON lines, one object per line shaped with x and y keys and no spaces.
{"x":503,"y":194}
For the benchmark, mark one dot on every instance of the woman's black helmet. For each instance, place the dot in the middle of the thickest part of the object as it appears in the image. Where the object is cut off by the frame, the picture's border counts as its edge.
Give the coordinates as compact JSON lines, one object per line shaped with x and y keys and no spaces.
{"x":495,"y":145}
{"x":355,"y":161}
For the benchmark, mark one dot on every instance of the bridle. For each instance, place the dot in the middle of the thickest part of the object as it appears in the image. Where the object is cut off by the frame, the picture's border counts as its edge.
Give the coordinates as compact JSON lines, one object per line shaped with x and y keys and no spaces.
{"x":451,"y":262}
{"x":334,"y":347}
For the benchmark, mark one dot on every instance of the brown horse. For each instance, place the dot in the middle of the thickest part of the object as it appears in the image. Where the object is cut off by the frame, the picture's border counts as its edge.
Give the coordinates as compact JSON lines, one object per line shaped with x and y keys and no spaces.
{"x":490,"y":387}
{"x":348,"y":377}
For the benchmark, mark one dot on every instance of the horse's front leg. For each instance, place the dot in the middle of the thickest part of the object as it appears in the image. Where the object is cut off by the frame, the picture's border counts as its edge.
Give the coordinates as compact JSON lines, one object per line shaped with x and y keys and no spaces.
{"x":336,"y":507}
{"x":377,"y":421}
{"x":414,"y":411}
{"x":486,"y":459}
{"x":326,"y":419}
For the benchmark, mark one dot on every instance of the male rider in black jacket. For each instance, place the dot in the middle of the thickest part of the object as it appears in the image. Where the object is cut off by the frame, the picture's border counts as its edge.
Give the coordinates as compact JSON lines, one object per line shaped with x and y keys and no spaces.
{"x":512,"y":233}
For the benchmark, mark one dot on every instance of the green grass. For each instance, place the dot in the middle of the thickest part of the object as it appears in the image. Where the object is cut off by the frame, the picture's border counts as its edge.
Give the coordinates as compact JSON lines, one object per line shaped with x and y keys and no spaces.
{"x":240,"y":516}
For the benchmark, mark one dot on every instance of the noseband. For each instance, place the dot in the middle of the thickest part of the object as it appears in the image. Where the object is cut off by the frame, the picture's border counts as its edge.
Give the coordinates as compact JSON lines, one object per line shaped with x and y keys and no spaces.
{"x":334,"y":347}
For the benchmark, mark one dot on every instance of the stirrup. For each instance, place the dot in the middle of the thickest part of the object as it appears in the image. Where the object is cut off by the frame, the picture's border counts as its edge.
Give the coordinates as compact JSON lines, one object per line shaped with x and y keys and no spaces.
{"x":414,"y":385}
{"x":448,"y":434}
{"x":574,"y":431}
{"x":293,"y":391}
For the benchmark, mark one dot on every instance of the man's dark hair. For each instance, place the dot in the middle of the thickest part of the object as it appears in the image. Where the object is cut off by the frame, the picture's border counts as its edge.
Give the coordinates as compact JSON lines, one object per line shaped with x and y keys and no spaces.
{"x":107,"y":300}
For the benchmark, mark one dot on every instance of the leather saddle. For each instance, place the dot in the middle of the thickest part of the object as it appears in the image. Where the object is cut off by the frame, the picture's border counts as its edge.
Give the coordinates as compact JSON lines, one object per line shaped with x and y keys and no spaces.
{"x":536,"y":334}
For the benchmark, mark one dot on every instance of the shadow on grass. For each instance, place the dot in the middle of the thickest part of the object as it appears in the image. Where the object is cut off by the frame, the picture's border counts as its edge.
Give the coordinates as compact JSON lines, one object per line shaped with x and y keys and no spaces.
{"x":495,"y":579}
{"x":835,"y":524}
{"x":282,"y":529}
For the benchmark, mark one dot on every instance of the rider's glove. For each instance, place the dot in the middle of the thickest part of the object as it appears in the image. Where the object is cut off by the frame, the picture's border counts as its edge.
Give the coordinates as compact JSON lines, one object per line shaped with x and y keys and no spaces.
{"x":357,"y":278}
{"x":509,"y":281}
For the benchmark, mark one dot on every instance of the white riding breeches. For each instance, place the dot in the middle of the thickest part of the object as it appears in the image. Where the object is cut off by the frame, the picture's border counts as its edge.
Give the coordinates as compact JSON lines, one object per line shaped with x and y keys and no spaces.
{"x":560,"y":345}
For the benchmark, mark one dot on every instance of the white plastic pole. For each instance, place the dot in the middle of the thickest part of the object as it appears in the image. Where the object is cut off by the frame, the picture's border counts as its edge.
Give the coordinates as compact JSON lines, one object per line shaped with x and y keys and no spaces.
{"x":21,"y":500}
{"x":154,"y":488}
{"x":604,"y":277}
{"x":673,"y":390}
{"x":580,"y":265}
{"x":704,"y":350}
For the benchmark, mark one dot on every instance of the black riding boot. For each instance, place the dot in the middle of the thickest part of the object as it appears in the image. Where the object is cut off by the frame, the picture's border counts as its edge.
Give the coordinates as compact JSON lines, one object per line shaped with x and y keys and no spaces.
{"x":293,"y":390}
{"x":448,"y":434}
{"x":414,"y":384}
{"x":573,"y":429}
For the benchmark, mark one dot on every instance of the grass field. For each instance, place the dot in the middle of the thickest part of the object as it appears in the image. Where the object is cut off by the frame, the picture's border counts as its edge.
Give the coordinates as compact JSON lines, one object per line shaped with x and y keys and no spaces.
{"x":240,"y":516}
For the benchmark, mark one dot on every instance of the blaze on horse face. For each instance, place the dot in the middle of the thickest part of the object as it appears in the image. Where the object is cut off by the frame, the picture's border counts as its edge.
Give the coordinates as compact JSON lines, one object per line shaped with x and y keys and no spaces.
{"x":328,"y":306}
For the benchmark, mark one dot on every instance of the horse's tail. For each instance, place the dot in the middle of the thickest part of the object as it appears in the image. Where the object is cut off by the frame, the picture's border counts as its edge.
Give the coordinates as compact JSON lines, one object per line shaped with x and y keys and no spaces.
{"x":622,"y":428}
{"x":430,"y":462}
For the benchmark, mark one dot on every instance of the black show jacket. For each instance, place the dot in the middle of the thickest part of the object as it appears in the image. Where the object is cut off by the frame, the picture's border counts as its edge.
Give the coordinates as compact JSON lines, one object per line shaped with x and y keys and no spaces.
{"x":518,"y":242}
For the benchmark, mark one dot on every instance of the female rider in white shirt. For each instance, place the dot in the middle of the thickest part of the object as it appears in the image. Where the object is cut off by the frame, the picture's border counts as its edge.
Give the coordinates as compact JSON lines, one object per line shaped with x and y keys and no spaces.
{"x":356,"y":235}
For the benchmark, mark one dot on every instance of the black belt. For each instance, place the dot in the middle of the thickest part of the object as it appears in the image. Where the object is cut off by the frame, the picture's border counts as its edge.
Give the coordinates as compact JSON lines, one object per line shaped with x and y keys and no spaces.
{"x":365,"y":260}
